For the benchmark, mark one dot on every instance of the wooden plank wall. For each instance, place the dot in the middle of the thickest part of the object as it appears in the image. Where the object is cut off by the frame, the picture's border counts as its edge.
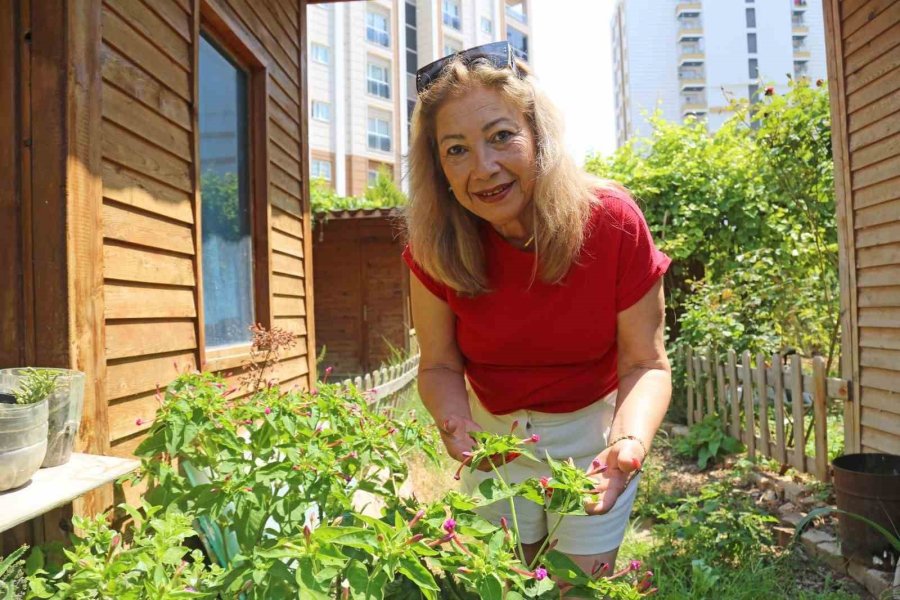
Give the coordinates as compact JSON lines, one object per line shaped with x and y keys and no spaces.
{"x":362,"y":291}
{"x":864,"y":63}
{"x":148,"y":137}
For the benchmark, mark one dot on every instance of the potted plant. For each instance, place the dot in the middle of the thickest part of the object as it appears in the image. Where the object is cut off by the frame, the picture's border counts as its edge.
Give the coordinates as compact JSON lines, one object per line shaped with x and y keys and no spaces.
{"x":23,"y":425}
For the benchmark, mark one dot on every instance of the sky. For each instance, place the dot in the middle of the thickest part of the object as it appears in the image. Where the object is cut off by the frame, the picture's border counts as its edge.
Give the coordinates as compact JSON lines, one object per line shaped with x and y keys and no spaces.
{"x":572,"y":58}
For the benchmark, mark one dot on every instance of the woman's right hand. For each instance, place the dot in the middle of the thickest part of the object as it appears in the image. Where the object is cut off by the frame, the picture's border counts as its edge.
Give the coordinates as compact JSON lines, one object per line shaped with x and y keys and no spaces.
{"x":455,"y":435}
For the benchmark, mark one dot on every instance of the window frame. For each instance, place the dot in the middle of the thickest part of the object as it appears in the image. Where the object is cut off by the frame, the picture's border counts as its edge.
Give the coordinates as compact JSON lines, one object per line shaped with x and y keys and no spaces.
{"x":490,"y":22}
{"x":321,"y":103}
{"x":386,"y":32}
{"x":319,"y":162}
{"x":312,"y":52}
{"x":233,"y":42}
{"x":386,"y":69}
{"x":378,"y":134}
{"x":452,"y":21}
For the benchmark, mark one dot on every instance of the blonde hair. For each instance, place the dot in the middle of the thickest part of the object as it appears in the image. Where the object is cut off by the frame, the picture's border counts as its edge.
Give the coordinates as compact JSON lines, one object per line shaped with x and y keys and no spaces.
{"x":445,"y":237}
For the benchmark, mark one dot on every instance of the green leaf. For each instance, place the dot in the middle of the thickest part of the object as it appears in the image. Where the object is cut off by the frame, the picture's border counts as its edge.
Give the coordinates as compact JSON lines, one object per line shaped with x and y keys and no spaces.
{"x":490,"y":588}
{"x":418,"y":574}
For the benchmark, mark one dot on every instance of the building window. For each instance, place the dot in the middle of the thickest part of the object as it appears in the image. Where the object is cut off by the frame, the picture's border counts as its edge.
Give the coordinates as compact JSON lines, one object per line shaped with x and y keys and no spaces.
{"x":321,"y":54}
{"x":378,"y":29}
{"x":372,"y":177}
{"x":379,"y":134}
{"x":751,"y":43}
{"x":225,"y":198}
{"x":801,"y":69}
{"x":379,"y":83}
{"x":753,"y":92}
{"x":451,"y":14}
{"x":518,"y":41}
{"x":321,"y":111}
{"x":320,"y":169}
{"x":487,"y":26}
{"x":799,"y":43}
{"x":751,"y":17}
{"x":753,"y":67}
{"x":412,"y":44}
{"x":516,"y":11}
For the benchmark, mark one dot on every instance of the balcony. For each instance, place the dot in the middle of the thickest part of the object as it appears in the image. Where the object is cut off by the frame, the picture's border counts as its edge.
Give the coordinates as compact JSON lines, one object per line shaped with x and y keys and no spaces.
{"x":799,"y":5}
{"x":690,"y":52}
{"x":687,"y":7}
{"x":692,"y":79}
{"x":690,"y":28}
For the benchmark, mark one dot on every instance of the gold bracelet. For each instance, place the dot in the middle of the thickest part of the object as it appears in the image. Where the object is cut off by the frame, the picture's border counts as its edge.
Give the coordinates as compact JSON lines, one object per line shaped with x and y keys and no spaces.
{"x":630,"y":437}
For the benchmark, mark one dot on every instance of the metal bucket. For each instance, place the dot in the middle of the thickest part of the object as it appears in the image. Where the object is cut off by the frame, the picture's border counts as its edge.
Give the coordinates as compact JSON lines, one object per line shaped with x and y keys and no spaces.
{"x":868,"y":485}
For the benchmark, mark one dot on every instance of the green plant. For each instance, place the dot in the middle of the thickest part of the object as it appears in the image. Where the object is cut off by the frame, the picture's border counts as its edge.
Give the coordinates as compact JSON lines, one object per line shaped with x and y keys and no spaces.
{"x":13,"y":584}
{"x":297,"y":494}
{"x":707,"y":441}
{"x":35,"y":385}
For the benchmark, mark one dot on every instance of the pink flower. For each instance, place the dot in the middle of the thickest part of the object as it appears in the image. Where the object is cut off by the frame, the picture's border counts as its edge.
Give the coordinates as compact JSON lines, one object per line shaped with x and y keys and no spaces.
{"x":534,"y":439}
{"x":139,"y":421}
{"x":770,"y":91}
{"x":450,"y":525}
{"x":545,"y":482}
{"x":540,"y":573}
{"x":268,"y":411}
{"x":634,"y":565}
{"x":504,"y":524}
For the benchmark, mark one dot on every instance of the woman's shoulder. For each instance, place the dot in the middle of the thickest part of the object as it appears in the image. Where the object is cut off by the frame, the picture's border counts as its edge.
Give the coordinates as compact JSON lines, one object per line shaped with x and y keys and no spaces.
{"x":614,"y":206}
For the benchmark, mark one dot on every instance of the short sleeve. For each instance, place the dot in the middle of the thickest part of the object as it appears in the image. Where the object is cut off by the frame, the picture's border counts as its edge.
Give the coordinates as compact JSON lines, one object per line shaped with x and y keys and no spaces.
{"x":438,"y":289}
{"x":641,"y":263}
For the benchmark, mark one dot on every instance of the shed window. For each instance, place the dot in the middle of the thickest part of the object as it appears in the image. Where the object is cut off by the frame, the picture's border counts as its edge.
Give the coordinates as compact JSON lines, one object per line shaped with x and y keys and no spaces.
{"x":225,"y":199}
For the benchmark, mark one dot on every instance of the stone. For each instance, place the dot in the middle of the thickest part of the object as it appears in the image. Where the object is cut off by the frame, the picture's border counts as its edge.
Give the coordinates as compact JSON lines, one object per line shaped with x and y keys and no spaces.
{"x":680,"y":430}
{"x":811,"y":538}
{"x":875,"y":581}
{"x":783,"y":536}
{"x":830,"y":553}
{"x":793,"y":491}
{"x":769,"y":497}
{"x":791,"y":518}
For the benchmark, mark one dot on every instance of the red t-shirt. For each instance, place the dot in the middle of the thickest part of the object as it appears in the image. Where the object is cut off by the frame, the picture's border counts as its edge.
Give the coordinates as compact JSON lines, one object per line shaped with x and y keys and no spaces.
{"x":552,"y":348}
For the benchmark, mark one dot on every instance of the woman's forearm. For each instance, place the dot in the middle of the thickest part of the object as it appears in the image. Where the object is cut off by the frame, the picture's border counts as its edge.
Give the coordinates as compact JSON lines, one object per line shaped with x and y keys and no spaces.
{"x":642,"y":401}
{"x":443,"y":392}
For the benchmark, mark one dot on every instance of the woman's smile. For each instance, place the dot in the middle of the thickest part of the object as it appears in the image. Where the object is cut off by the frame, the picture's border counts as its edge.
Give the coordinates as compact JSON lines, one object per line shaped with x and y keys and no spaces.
{"x":494,"y":194}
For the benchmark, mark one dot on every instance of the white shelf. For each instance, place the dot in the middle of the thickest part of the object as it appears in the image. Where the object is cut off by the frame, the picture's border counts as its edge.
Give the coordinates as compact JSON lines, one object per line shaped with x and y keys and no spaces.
{"x":56,"y":486}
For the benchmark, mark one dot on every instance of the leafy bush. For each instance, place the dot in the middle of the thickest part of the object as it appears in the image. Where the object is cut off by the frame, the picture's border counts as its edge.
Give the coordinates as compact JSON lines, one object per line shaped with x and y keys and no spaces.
{"x":707,"y":441}
{"x":748,"y":216}
{"x":384,"y":193}
{"x":271,"y":486}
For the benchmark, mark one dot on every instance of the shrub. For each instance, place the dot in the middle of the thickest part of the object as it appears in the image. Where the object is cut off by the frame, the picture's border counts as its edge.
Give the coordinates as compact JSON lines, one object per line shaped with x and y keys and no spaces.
{"x":707,"y":441}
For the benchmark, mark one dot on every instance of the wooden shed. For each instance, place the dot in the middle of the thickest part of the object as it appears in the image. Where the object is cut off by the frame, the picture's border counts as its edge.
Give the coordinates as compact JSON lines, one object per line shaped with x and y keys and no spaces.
{"x":361,"y":290}
{"x":863,"y":43}
{"x":153,"y":197}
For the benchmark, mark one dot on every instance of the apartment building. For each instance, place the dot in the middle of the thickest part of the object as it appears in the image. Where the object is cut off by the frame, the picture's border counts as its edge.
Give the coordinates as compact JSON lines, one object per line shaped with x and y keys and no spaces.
{"x":363,"y":58}
{"x":688,"y":58}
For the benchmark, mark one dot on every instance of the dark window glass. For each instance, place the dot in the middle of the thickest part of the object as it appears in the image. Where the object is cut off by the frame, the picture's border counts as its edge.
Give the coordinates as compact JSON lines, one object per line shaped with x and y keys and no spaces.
{"x":751,"y":17}
{"x":411,"y":14}
{"x":518,"y":41}
{"x":411,"y":62}
{"x":753,"y":65}
{"x":753,"y":92}
{"x":225,"y":199}
{"x":751,"y":43}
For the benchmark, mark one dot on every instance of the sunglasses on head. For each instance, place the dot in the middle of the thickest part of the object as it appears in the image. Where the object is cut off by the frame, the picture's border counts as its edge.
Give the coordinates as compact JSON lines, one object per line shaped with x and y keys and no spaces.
{"x":499,"y":54}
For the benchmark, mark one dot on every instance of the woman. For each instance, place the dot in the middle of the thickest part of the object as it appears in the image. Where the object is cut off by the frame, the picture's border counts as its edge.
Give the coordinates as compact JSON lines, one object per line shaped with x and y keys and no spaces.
{"x":538,"y":284}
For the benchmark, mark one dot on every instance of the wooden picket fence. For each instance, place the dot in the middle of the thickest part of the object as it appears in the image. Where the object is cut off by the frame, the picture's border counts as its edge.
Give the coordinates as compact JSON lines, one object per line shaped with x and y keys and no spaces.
{"x":745,"y":395}
{"x":384,"y":385}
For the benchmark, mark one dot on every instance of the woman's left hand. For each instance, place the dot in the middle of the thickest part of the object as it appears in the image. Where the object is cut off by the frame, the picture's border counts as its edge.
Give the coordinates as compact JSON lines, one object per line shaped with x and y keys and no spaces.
{"x":620,"y":460}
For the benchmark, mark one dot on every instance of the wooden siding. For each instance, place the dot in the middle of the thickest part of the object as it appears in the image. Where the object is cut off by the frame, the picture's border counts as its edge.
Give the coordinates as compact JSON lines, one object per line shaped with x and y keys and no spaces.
{"x":362,"y":293}
{"x":864,"y":71}
{"x":149,"y":142}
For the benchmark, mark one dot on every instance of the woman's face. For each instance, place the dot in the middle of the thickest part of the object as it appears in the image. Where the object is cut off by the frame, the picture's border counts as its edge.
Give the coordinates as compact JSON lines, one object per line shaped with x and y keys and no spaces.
{"x":486,"y":149}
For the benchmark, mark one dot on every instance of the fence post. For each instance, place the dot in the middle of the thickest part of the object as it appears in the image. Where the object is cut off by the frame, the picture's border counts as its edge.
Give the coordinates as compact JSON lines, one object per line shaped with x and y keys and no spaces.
{"x":689,"y":380}
{"x":720,"y":384}
{"x":820,"y":417}
{"x":780,"y":445}
{"x":698,"y":381}
{"x":797,"y":410}
{"x":763,"y":404}
{"x":749,"y":420}
{"x":735,"y":401}
{"x":708,"y":372}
